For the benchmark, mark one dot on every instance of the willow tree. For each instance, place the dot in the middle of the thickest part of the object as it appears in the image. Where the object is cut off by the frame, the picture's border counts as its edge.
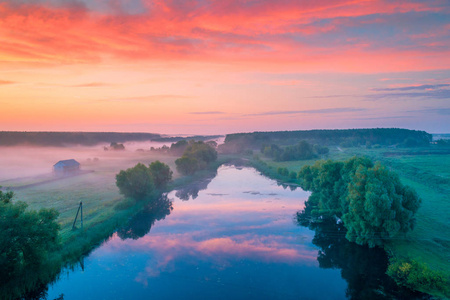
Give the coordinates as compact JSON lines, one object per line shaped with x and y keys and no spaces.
{"x":371,"y":201}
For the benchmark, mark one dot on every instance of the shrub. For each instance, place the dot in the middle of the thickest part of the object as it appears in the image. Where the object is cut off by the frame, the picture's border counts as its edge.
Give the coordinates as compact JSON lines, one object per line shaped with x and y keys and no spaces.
{"x":140,"y":182}
{"x":196,"y":156}
{"x":136,"y":182}
{"x":416,"y":275}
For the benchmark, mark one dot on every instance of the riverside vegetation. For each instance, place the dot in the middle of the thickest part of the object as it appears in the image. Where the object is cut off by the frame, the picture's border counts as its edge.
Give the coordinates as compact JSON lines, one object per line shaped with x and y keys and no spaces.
{"x":419,"y":258}
{"x":31,"y":263}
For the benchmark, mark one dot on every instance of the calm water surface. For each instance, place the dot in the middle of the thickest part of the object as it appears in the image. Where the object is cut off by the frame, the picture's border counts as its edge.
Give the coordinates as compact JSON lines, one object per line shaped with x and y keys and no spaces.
{"x":236,"y":240}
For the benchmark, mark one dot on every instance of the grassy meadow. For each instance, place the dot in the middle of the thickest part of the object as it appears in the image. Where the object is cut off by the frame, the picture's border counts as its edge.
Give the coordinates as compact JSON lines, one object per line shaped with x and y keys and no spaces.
{"x":104,"y":209}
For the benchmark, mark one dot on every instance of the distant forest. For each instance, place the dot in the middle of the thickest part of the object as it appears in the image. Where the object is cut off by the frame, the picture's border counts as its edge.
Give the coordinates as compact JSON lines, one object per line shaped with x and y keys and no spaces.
{"x":175,"y":139}
{"x":238,"y":142}
{"x":13,"y":138}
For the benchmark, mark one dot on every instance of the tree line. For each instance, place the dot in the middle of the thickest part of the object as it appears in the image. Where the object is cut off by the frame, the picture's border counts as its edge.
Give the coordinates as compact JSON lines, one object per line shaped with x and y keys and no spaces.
{"x":59,"y":139}
{"x":238,"y":142}
{"x":301,"y":151}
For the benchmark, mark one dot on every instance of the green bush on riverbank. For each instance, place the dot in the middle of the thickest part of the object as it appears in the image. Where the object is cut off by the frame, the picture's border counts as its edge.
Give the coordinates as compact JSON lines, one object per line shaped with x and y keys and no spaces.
{"x":417,"y":275}
{"x":372,"y":202}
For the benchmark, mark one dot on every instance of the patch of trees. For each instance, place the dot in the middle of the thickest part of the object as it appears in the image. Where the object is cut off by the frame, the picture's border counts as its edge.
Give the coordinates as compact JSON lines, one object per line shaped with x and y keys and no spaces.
{"x":59,"y":139}
{"x":416,"y":275}
{"x":301,"y":151}
{"x":115,"y":147}
{"x":141,"y":182}
{"x":285,"y":172}
{"x":175,"y":139}
{"x":26,"y":237}
{"x":238,"y":142}
{"x":370,"y":200}
{"x":196,"y":156}
{"x":443,"y":143}
{"x":177,"y":149}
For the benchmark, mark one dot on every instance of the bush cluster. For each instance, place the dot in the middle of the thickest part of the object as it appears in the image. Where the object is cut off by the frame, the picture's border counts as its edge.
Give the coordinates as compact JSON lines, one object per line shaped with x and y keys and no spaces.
{"x":196,"y":156}
{"x":141,"y":182}
{"x":370,"y":200}
{"x":303,"y":150}
{"x":26,"y":237}
{"x":416,"y":275}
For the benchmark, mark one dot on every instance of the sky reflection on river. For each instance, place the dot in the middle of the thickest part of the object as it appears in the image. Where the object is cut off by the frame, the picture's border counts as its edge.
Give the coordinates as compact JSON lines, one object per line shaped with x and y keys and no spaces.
{"x":236,"y":240}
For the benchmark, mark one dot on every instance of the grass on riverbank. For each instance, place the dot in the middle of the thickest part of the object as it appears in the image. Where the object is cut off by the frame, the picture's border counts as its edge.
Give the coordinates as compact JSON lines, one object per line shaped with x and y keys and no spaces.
{"x":104,"y":209}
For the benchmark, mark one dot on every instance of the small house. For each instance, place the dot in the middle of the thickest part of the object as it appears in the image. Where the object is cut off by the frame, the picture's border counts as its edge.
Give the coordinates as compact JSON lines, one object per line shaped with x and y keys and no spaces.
{"x":66,"y":166}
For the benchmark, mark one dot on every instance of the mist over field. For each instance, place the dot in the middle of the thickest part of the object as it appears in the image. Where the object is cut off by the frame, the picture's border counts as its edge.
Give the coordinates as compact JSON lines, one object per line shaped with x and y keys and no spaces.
{"x":26,"y":161}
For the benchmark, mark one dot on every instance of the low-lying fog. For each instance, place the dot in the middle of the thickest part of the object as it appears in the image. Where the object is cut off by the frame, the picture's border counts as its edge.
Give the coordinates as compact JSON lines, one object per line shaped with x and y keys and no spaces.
{"x":24,"y":161}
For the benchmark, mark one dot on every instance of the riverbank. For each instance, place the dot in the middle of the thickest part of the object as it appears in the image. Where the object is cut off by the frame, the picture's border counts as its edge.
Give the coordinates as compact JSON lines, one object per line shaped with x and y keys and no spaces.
{"x":429,"y":242}
{"x":104,"y":211}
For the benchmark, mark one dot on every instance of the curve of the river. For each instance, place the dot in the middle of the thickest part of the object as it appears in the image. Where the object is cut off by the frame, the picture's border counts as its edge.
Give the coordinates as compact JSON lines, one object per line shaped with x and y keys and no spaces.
{"x":235,"y":239}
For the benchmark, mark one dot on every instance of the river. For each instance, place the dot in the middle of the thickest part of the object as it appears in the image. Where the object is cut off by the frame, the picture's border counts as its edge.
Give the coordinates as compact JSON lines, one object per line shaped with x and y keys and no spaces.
{"x":234,"y":237}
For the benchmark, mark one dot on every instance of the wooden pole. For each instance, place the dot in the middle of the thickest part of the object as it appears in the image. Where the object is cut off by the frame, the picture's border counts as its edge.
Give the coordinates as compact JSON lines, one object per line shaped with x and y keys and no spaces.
{"x":74,"y":221}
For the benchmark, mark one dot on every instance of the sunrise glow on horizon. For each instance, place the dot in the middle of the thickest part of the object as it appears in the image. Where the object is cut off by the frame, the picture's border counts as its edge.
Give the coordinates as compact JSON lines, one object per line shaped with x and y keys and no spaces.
{"x":216,"y":67}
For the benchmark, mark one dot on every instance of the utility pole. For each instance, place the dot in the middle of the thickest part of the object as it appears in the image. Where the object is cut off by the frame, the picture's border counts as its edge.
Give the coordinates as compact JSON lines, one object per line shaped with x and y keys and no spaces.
{"x":80,"y":207}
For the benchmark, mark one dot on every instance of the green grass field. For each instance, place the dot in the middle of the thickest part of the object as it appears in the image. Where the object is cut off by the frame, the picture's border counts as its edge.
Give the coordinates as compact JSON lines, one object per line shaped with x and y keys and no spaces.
{"x":96,"y":189}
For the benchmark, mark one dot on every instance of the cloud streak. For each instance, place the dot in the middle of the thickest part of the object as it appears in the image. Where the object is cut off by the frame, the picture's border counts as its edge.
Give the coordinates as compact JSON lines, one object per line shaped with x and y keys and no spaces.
{"x":151,"y":98}
{"x":432,"y":94}
{"x":5,"y":82}
{"x":413,"y":87}
{"x":445,"y":111}
{"x":315,"y":35}
{"x":312,"y":111}
{"x":207,"y":113}
{"x":90,"y":84}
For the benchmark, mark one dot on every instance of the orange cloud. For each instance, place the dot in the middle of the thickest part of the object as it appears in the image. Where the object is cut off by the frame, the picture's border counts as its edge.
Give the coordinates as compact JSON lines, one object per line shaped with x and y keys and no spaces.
{"x":261,"y":34}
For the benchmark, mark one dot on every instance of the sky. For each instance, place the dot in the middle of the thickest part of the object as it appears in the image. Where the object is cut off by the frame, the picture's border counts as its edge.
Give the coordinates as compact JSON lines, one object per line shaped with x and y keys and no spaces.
{"x":224,"y":66}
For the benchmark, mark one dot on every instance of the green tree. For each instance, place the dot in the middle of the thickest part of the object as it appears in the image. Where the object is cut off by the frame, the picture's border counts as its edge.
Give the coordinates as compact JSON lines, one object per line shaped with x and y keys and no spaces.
{"x":161,"y":173}
{"x":186,"y":165}
{"x":196,"y":156}
{"x":116,"y":146}
{"x":372,"y":202}
{"x":136,"y":182}
{"x":201,"y":151}
{"x":380,"y":207}
{"x":26,"y":237}
{"x":178,"y":147}
{"x":6,"y":197}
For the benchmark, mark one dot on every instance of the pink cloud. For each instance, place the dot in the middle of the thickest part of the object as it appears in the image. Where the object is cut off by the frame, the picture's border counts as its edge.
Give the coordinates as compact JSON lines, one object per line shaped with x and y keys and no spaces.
{"x":253,"y":34}
{"x":220,"y":250}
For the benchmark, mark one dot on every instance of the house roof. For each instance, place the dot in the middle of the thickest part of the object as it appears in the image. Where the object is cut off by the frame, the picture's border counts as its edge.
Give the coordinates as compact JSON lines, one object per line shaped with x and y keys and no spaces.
{"x":68,"y":163}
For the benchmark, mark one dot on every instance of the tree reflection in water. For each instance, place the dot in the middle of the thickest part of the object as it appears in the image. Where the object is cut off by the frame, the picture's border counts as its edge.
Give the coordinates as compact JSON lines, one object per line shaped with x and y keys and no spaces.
{"x":141,"y":224}
{"x":191,"y":190}
{"x":362,"y":267}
